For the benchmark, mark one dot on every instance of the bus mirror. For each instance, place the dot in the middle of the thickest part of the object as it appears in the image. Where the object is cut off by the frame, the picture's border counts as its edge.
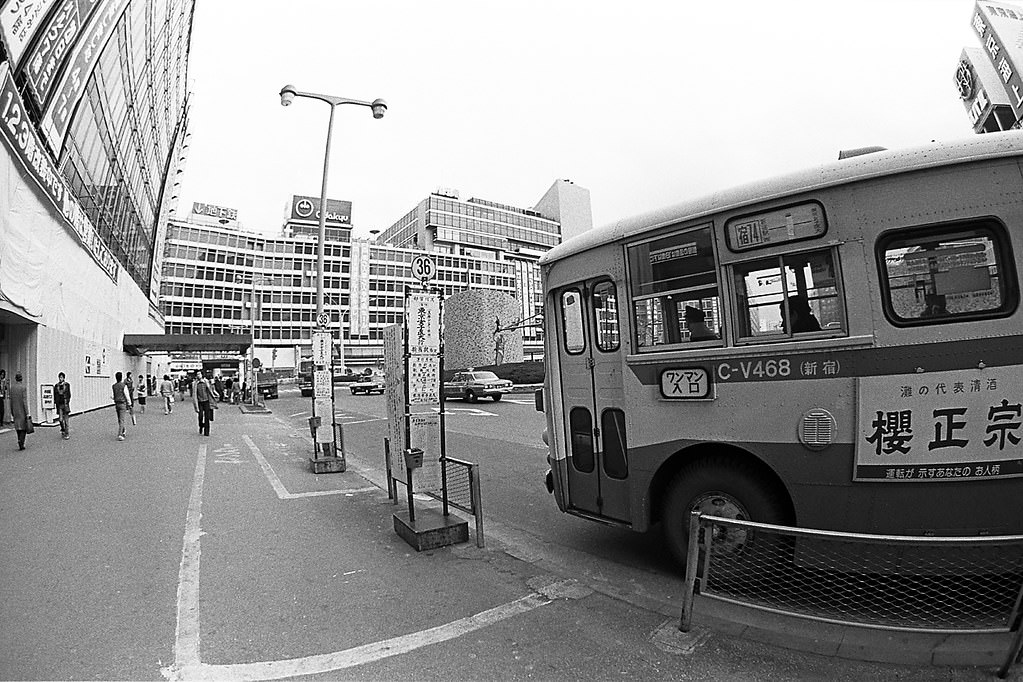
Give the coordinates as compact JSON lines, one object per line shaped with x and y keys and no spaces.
{"x":538,"y":400}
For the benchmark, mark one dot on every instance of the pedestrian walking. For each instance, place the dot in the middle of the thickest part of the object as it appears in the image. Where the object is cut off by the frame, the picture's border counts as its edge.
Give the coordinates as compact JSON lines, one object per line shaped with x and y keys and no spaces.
{"x":129,"y":390}
{"x":204,"y":401}
{"x":121,"y":403}
{"x":167,"y":391}
{"x":19,"y":410}
{"x":5,"y":394}
{"x":62,"y":401}
{"x":141,"y":391}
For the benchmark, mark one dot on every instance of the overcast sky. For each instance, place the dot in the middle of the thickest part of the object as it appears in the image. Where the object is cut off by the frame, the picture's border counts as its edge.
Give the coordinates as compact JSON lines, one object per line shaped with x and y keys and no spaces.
{"x":643,"y":103}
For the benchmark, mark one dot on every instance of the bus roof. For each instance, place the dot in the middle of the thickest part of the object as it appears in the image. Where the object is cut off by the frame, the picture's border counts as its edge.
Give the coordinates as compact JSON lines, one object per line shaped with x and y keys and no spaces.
{"x":854,"y":169}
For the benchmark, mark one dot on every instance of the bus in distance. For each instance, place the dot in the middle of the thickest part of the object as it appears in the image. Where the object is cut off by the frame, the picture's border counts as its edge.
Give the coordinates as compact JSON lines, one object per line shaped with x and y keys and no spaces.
{"x":839,"y":348}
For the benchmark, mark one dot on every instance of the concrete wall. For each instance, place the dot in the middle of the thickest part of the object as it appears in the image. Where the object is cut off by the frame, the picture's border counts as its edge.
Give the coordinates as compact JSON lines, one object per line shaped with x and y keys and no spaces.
{"x":470,"y":318}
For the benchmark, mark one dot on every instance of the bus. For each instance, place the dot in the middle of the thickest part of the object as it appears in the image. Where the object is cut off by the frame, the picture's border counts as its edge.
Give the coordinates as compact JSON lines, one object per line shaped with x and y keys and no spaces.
{"x":839,"y":348}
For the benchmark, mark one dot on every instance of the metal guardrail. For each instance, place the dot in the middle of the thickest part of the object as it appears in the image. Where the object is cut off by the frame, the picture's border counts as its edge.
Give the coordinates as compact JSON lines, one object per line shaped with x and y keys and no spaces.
{"x":460,"y":488}
{"x":921,"y":584}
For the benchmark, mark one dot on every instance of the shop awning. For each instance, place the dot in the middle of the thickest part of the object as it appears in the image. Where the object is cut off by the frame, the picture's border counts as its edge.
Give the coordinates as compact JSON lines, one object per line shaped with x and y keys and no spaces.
{"x":140,"y":344}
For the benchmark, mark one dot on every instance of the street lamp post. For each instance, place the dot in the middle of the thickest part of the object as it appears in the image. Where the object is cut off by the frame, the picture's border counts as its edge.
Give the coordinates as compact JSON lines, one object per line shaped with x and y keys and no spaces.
{"x":378,"y":107}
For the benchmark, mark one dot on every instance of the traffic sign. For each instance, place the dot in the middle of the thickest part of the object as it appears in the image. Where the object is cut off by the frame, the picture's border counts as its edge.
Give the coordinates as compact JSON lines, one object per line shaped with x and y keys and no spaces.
{"x":423,"y":268}
{"x":323,"y":319}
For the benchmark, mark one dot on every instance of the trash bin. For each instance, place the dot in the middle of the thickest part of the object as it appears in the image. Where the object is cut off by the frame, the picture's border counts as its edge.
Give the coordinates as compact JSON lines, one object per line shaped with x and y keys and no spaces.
{"x":413,"y":458}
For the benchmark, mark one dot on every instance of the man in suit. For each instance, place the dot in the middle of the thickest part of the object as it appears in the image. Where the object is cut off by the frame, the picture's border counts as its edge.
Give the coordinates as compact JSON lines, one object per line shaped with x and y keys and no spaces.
{"x":19,"y":409}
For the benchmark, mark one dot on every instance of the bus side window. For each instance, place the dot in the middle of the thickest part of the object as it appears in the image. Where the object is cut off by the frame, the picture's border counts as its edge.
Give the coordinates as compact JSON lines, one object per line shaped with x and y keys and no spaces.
{"x":782,"y":296}
{"x":935,"y":276}
{"x":675,"y":289}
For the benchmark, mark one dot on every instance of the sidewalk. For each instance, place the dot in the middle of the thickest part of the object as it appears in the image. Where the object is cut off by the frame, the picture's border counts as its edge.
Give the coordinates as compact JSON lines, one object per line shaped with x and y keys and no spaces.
{"x":173,"y":555}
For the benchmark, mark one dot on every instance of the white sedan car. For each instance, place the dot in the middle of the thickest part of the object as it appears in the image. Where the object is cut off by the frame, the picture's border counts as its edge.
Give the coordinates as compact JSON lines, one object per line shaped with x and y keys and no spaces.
{"x":473,"y":385}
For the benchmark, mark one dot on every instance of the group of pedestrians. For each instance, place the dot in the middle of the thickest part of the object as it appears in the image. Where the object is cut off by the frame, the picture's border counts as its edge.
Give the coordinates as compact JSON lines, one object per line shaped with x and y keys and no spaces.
{"x":204,"y":398}
{"x":127,"y":396}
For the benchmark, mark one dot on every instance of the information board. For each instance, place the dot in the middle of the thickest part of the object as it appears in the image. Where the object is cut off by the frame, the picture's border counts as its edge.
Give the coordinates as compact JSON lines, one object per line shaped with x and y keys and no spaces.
{"x":321,"y":348}
{"x":422,"y":320}
{"x":323,"y":383}
{"x":423,"y":380}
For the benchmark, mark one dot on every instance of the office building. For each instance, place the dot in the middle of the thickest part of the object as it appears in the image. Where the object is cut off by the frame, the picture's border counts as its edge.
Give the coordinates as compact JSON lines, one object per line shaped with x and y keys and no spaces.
{"x":94,"y":109}
{"x":509,"y":237}
{"x":215,"y":273}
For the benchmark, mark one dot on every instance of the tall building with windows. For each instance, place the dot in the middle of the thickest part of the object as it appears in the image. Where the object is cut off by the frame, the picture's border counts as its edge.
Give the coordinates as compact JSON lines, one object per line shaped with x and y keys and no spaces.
{"x":511,"y":237}
{"x":219,"y":278}
{"x":94,"y":118}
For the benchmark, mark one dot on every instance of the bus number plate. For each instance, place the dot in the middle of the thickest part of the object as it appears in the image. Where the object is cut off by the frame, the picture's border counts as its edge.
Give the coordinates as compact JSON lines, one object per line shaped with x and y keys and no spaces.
{"x":685,"y":383}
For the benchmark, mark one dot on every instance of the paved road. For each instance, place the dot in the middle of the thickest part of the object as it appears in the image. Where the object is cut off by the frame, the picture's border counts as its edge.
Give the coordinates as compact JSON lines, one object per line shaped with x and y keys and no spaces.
{"x":171,"y":555}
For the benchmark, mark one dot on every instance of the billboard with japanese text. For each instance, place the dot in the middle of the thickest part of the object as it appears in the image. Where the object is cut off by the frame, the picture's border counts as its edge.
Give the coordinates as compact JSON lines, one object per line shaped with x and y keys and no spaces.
{"x":999,"y":26}
{"x":956,"y":425}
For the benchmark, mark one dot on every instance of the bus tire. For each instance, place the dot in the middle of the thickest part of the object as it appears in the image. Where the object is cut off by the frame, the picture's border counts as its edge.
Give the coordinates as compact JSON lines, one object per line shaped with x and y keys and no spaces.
{"x":719,"y":488}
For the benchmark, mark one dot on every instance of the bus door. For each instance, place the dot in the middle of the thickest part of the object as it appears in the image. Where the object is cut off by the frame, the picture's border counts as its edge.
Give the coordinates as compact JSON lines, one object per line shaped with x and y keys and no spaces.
{"x":591,"y":379}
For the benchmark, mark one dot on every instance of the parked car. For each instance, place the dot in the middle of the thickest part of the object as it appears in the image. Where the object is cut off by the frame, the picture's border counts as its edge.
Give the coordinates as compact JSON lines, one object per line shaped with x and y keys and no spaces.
{"x":368,"y":384}
{"x":473,"y":385}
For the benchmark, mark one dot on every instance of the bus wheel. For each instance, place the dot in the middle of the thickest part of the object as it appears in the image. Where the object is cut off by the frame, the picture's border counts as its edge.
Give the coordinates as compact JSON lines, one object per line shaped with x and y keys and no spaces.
{"x":723,"y":489}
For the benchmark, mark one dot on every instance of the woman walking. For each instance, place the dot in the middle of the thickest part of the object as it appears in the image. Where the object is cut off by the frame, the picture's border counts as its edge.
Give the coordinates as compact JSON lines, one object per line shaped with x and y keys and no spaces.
{"x":19,"y":409}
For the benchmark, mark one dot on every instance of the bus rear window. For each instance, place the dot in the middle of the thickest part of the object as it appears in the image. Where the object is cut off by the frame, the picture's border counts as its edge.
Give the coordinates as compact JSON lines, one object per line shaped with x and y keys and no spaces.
{"x":934,"y":275}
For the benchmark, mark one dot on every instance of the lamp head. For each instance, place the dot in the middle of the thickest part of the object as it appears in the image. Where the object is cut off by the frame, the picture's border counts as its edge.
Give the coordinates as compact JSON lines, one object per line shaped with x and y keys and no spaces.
{"x":378,"y":106}
{"x":287,"y":95}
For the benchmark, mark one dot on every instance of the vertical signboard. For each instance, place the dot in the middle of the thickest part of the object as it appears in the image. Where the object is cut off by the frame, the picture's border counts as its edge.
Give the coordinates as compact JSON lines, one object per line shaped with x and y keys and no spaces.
{"x":19,"y":21}
{"x":81,"y":62}
{"x":323,"y":387}
{"x":412,"y":353}
{"x":358,"y":297}
{"x":422,"y":319}
{"x":1000,"y":29}
{"x":394,"y":390}
{"x":61,"y":32}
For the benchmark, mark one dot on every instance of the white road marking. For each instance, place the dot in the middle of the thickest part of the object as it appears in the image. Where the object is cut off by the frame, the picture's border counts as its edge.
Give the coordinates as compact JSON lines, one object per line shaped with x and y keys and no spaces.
{"x":476,"y":412}
{"x":298,"y":414}
{"x":278,"y":486}
{"x":516,"y":401}
{"x":186,"y":636}
{"x":360,"y":655}
{"x":188,"y":666}
{"x":365,"y":421}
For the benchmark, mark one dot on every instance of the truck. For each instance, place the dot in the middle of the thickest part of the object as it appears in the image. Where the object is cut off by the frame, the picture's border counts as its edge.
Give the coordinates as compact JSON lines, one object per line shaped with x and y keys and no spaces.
{"x":266,"y":384}
{"x":305,"y":378}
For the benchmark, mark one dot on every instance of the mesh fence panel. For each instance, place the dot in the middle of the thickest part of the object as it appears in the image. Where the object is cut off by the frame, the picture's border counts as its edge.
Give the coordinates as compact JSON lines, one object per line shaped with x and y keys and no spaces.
{"x":459,"y":485}
{"x":906,"y":583}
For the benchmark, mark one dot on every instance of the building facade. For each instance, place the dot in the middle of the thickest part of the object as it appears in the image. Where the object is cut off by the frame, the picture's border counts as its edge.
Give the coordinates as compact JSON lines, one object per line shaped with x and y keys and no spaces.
{"x":988,"y":78}
{"x":94,"y":108}
{"x":220,"y":278}
{"x":443,"y":223}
